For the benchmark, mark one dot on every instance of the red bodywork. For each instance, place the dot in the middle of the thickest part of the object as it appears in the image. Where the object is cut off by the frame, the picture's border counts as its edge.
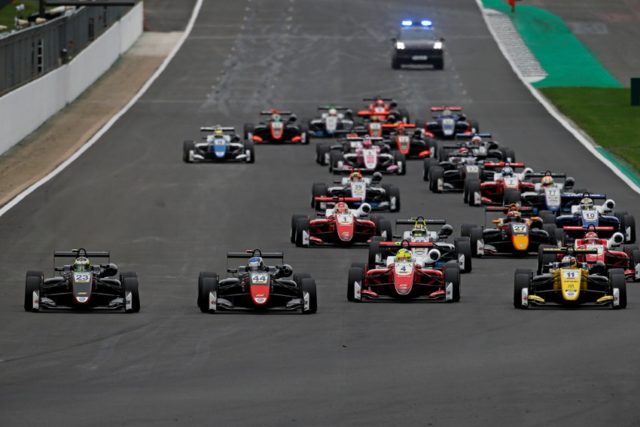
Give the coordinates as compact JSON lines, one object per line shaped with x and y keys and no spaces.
{"x":332,"y":231}
{"x":492,"y":192}
{"x":419,"y":283}
{"x":402,"y":142}
{"x":610,"y":258}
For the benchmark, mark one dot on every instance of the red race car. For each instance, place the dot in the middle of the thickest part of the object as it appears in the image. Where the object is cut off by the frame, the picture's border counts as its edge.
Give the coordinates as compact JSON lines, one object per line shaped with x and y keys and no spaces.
{"x":404,"y":278}
{"x":503,"y":189}
{"x":339,"y":226}
{"x":408,"y":140}
{"x":610,"y":253}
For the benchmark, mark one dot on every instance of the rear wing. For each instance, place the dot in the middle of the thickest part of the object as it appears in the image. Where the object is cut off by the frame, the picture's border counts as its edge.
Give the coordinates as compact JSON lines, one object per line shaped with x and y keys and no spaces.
{"x":336,"y":199}
{"x":376,"y":99}
{"x":270,"y":112}
{"x":579,"y":196}
{"x":496,"y":165}
{"x":329,"y":107}
{"x":412,"y":221}
{"x":406,"y":244}
{"x":506,"y":209}
{"x":547,"y":173}
{"x":568,"y":250}
{"x":74,"y":253}
{"x":467,"y":135}
{"x":445,"y":107}
{"x":253,"y":253}
{"x":212,"y":128}
{"x":399,"y":125}
{"x":373,"y":113}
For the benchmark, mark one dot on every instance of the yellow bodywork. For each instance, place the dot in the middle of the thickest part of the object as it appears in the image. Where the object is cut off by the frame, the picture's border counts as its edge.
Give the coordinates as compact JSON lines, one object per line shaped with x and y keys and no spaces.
{"x":570,"y":281}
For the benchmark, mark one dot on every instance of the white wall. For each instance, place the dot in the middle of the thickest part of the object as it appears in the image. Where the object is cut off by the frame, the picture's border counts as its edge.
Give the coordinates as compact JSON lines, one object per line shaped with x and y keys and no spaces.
{"x":24,"y":109}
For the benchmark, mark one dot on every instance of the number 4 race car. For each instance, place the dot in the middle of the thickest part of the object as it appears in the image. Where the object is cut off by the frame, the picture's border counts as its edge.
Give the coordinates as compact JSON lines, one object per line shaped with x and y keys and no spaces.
{"x":339,"y":226}
{"x":222,"y":144}
{"x":402,"y":278}
{"x":276,"y":131}
{"x":82,"y":285}
{"x":257,"y":286}
{"x":569,"y":282}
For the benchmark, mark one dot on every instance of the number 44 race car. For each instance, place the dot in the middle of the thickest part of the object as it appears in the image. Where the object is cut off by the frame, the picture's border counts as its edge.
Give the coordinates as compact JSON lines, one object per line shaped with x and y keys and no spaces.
{"x":82,"y":285}
{"x":257,"y":286}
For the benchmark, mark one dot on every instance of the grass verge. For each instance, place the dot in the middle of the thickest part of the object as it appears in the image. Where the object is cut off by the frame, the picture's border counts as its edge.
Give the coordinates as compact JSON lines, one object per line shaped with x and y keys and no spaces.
{"x":9,"y":12}
{"x":606,"y":115}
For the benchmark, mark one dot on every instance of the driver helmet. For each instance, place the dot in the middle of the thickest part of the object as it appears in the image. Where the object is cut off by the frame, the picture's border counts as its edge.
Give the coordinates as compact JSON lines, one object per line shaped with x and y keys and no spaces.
{"x":568,"y":261}
{"x":355,"y":176}
{"x":403,"y":255}
{"x":333,"y":112}
{"x":514,"y":215}
{"x":507,"y":171}
{"x":591,"y":235}
{"x":546,"y":181}
{"x":218,"y":131}
{"x":81,"y":264}
{"x":276,"y":117}
{"x":446,"y":112}
{"x":341,"y":208}
{"x":379,"y":103}
{"x":366,"y":142}
{"x":463,"y":151}
{"x":255,"y":264}
{"x":419,"y":231}
{"x":586,"y":203}
{"x":476,"y":140}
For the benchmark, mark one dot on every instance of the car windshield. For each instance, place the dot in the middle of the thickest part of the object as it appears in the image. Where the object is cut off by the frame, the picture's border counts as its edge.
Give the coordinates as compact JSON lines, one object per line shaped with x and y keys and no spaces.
{"x":424,"y":34}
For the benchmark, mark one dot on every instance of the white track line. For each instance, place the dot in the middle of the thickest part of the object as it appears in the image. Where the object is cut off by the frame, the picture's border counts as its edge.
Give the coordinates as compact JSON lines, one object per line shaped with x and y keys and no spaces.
{"x":17,"y":199}
{"x":551,"y":109}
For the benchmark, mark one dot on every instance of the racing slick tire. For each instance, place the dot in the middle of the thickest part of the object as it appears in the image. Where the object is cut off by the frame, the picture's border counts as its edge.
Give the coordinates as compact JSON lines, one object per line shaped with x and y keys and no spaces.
{"x":294,"y":223}
{"x":322,"y":153}
{"x":395,"y":63}
{"x":476,"y":240}
{"x":33,"y":284}
{"x":309,"y":296}
{"x":356,"y":274}
{"x":436,"y":174}
{"x":248,"y":130}
{"x":187,"y":148}
{"x":452,"y":275}
{"x":249,"y":151}
{"x":521,"y":281}
{"x":302,"y":226}
{"x":473,"y":189}
{"x":544,"y":258}
{"x":511,"y":195}
{"x":401,"y":161}
{"x":438,"y":64}
{"x":404,"y":115}
{"x":130,"y":286}
{"x":547,"y":217}
{"x":427,"y":164}
{"x":465,"y":230}
{"x":634,"y":259}
{"x":334,"y":158}
{"x":552,"y":231}
{"x":385,"y":230}
{"x":465,"y":188}
{"x":508,"y":155}
{"x":319,"y":189}
{"x":628,"y":226}
{"x":207,"y":283}
{"x":463,"y":247}
{"x":374,"y":250}
{"x":304,"y":135}
{"x":393,"y":197}
{"x":297,"y":277}
{"x":619,"y":285}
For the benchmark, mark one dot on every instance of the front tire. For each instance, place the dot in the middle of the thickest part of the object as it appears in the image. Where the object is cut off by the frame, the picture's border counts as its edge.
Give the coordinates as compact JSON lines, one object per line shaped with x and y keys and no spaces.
{"x":187,"y":149}
{"x":207,"y":284}
{"x":250,"y":152}
{"x":619,"y":285}
{"x":356,"y":274}
{"x":463,"y":247}
{"x":32,"y":290}
{"x":521,"y":281}
{"x":309,"y":296}
{"x":452,"y":276}
{"x":130,"y":290}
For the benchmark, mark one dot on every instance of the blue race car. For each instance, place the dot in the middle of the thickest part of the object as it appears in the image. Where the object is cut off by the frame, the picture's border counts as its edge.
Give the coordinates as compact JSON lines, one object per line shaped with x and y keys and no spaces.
{"x":221,"y":144}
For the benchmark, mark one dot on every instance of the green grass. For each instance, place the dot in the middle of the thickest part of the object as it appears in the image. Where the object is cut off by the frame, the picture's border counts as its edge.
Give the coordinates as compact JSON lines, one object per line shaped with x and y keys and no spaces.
{"x":606,"y":115}
{"x":9,"y":12}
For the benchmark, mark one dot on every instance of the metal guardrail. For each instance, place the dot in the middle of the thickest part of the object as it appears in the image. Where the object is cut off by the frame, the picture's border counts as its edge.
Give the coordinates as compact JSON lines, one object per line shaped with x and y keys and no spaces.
{"x":32,"y":52}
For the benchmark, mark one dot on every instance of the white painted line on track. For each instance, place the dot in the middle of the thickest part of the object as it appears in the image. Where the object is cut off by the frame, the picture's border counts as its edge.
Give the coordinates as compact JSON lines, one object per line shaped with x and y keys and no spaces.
{"x":551,"y":109}
{"x":17,"y":199}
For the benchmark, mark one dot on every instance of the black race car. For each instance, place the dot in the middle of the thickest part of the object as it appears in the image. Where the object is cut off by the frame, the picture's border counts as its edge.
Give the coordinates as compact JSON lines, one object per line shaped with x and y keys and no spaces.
{"x":409,"y":140}
{"x":416,"y":43}
{"x":356,"y":190}
{"x":221,"y":144}
{"x":276,"y":129}
{"x":448,"y":122}
{"x":82,"y":285}
{"x":257,"y":286}
{"x":332,"y":119}
{"x":480,"y":145}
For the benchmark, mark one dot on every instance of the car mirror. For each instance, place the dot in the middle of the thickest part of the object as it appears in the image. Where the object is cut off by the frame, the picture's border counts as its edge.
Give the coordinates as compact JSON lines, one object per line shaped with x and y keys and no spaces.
{"x":232,"y":270}
{"x":393,"y":39}
{"x":446,"y":230}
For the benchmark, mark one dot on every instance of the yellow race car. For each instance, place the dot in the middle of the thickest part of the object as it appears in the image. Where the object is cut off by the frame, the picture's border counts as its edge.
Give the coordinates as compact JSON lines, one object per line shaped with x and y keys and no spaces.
{"x":568,"y":280}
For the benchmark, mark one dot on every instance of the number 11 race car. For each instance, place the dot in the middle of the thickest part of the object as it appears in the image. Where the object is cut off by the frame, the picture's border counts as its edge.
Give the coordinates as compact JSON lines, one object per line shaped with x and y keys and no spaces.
{"x":82,"y":285}
{"x":257,"y":286}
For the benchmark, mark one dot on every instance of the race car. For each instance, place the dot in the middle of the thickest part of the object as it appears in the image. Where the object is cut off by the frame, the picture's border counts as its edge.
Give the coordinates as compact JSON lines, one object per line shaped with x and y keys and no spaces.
{"x":383,"y":110}
{"x":403,"y":278}
{"x":481,"y":145}
{"x":339,"y":226}
{"x":552,"y":194}
{"x":427,"y":246}
{"x":518,"y":233}
{"x":371,"y":156}
{"x":276,"y":130}
{"x":610,"y":253}
{"x":568,"y":281}
{"x":458,"y":171}
{"x":346,"y":142}
{"x":416,"y":43}
{"x":587,"y":214}
{"x":504,"y":188}
{"x":220,"y":144}
{"x":449,"y":121}
{"x":356,"y":190}
{"x":410,"y":141}
{"x":257,"y":286}
{"x":82,"y":285}
{"x":332,"y":119}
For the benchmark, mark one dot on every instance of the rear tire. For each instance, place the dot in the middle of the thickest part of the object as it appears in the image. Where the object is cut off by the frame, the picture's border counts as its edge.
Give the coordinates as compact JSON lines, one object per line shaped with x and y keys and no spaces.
{"x":475,"y":237}
{"x":544,"y":259}
{"x":302,"y":226}
{"x":334,"y":158}
{"x":401,"y":161}
{"x":427,"y":164}
{"x":473,"y":188}
{"x":322,"y":152}
{"x":202,"y":300}
{"x":436,"y":173}
{"x":294,"y":224}
{"x":248,"y":129}
{"x":130,"y":286}
{"x":385,"y":230}
{"x":33,"y":283}
{"x":393,"y":193}
{"x":319,"y":189}
{"x":508,"y":155}
{"x":463,"y":247}
{"x":552,"y":231}
{"x":249,"y":150}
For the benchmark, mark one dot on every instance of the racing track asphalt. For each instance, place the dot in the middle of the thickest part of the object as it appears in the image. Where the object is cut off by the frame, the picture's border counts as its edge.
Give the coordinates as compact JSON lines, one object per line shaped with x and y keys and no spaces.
{"x":479,"y":362}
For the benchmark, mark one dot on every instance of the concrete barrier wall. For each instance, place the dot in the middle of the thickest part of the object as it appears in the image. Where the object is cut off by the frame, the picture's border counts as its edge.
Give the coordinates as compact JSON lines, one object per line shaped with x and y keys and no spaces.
{"x":23,"y":110}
